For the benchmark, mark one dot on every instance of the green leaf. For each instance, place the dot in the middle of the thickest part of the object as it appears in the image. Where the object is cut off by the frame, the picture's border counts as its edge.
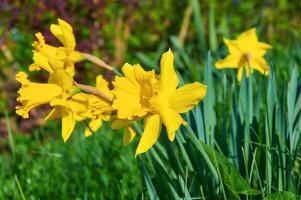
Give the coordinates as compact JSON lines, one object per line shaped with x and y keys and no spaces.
{"x":198,"y":23}
{"x":209,"y":103}
{"x":234,"y":183}
{"x":147,"y":62}
{"x":184,"y":188}
{"x":284,"y":195}
{"x":149,"y":185}
{"x":212,"y":27}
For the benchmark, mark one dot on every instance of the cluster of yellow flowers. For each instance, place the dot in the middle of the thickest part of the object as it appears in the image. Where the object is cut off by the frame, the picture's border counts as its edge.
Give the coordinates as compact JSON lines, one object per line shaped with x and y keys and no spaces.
{"x":137,"y":95}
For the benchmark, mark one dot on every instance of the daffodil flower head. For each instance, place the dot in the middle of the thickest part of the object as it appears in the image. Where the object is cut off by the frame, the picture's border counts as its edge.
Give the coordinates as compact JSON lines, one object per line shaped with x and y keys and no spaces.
{"x":101,"y":108}
{"x":57,"y":92}
{"x":82,"y":106}
{"x":133,"y":92}
{"x":246,"y":53}
{"x":67,"y":53}
{"x":139,"y":94}
{"x":31,"y":94}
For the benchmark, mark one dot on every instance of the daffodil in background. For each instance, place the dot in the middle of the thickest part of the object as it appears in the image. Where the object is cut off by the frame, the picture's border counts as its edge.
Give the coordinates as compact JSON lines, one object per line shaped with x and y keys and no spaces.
{"x":246,"y":53}
{"x":141,"y":95}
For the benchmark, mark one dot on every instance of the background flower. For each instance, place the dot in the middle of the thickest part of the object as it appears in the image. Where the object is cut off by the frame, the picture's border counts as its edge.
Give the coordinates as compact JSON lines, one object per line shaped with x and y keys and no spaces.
{"x":246,"y":55}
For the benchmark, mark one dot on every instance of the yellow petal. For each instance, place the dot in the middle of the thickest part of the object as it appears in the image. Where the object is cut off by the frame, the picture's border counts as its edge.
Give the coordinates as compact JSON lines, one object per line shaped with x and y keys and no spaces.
{"x":248,"y":35}
{"x":151,"y":133}
{"x":172,"y":121}
{"x":64,"y":33}
{"x":239,"y":73}
{"x":31,"y":94}
{"x":168,"y":78}
{"x":231,"y":61}
{"x":170,"y":117}
{"x":94,"y":125}
{"x":103,"y":86}
{"x":264,"y":46}
{"x":76,"y":56}
{"x":81,"y":106}
{"x":260,"y":49}
{"x":188,"y":96}
{"x":65,"y":24}
{"x":248,"y":43}
{"x":34,"y":67}
{"x":259,"y":64}
{"x":41,"y":61}
{"x":41,"y":47}
{"x":100,"y":106}
{"x":106,"y":117}
{"x":68,"y":123}
{"x":55,"y":113}
{"x":62,"y":77}
{"x":232,"y":46}
{"x":133,"y":92}
{"x":129,"y":135}
{"x":38,"y":44}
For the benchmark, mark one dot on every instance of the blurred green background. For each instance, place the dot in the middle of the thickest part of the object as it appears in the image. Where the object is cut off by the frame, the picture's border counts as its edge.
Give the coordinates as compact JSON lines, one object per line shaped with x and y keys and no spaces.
{"x":34,"y":161}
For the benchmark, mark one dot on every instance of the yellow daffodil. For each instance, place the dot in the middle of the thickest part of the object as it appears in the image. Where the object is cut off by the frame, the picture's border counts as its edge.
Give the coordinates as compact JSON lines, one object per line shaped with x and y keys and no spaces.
{"x":82,"y":106}
{"x":100,"y":108}
{"x":67,"y":53}
{"x":31,"y":95}
{"x":139,"y":94}
{"x":246,"y":54}
{"x":53,"y":93}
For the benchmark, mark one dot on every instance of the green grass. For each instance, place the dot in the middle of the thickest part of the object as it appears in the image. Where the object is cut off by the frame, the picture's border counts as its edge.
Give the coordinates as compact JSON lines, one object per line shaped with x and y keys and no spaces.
{"x":41,"y":166}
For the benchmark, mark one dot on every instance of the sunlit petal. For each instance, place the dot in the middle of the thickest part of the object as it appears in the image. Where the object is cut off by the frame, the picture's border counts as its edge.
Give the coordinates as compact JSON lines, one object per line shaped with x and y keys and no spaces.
{"x":30,"y":94}
{"x":232,"y":46}
{"x":132,"y":92}
{"x":231,"y":61}
{"x":239,"y":73}
{"x":172,"y":121}
{"x":93,"y":126}
{"x":259,"y":64}
{"x":168,"y":78}
{"x":151,"y":133}
{"x":129,"y":135}
{"x":188,"y":96}
{"x":68,"y":123}
{"x":54,"y":113}
{"x":64,"y":33}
